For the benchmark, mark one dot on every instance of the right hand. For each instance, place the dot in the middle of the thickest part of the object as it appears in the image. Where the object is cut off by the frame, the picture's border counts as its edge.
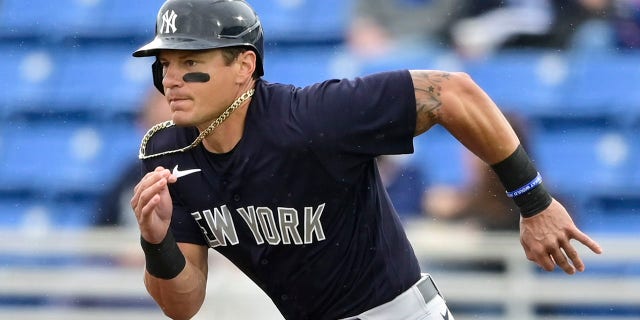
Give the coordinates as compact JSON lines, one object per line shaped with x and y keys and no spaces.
{"x":152,"y":204}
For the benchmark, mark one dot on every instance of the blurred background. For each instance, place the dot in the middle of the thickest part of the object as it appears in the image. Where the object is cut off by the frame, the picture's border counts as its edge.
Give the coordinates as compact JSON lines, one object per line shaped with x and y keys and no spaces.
{"x":74,"y":105}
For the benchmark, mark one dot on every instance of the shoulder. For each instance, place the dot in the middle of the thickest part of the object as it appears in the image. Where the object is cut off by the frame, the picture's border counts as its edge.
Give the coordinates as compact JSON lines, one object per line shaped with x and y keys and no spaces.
{"x":163,"y":137}
{"x":268,"y":90}
{"x":397,"y":78}
{"x":379,"y":80}
{"x":370,"y":88}
{"x":270,"y":96}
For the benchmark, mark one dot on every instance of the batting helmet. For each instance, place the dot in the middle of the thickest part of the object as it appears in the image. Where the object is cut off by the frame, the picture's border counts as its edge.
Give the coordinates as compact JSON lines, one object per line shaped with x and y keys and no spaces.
{"x":204,"y":24}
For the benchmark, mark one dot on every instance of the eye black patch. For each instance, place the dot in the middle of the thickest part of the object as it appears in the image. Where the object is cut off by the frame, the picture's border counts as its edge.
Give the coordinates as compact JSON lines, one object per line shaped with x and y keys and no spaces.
{"x":196,"y":77}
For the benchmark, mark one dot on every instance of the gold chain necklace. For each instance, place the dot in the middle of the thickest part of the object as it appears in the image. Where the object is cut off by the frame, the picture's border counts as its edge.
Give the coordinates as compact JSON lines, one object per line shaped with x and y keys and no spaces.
{"x":201,"y":136}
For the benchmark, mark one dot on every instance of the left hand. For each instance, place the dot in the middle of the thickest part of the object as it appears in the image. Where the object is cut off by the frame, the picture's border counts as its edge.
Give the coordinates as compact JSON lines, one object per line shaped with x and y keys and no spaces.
{"x":546,"y":237}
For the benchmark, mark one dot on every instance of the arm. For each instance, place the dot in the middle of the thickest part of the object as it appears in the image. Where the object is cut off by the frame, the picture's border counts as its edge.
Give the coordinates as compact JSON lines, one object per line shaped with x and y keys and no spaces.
{"x":182,"y":296}
{"x":454,"y":101}
{"x":176,"y":274}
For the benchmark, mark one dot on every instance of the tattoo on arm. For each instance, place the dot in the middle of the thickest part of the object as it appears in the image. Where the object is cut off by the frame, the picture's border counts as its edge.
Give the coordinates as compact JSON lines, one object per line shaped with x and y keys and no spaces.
{"x":428,"y":90}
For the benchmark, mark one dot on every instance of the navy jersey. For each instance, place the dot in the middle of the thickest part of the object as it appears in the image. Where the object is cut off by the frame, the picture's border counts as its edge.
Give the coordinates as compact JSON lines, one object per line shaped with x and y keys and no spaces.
{"x":298,"y":204}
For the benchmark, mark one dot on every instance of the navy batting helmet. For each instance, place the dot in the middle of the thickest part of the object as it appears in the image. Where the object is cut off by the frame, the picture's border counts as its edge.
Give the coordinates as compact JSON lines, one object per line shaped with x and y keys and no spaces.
{"x":204,"y":24}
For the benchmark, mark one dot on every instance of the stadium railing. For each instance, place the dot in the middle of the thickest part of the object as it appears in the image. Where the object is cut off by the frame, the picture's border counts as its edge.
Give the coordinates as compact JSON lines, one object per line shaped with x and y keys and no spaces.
{"x":97,"y":274}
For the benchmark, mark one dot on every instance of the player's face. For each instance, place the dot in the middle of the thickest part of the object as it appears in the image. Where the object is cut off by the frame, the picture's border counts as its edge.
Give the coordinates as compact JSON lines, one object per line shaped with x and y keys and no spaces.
{"x":197,"y":101}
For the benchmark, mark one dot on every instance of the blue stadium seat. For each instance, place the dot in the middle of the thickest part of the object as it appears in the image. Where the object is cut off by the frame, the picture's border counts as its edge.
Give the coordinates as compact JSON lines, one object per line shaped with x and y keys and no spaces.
{"x":64,"y":19}
{"x":43,"y":18}
{"x":98,"y":81}
{"x":127,"y":18}
{"x":583,"y":160}
{"x":27,"y":77}
{"x":604,"y":83}
{"x":303,"y":20}
{"x":15,"y":210}
{"x":526,"y":82}
{"x":615,"y":212}
{"x":416,"y":57}
{"x":65,"y":158}
{"x":306,"y":64}
{"x":102,"y":79}
{"x":35,"y":214}
{"x":633,"y":171}
{"x":298,"y":65}
{"x":440,"y":156}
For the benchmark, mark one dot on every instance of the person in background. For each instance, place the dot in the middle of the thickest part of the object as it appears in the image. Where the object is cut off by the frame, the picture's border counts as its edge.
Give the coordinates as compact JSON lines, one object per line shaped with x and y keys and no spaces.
{"x":626,"y":24}
{"x":582,"y":25}
{"x":600,"y":25}
{"x":406,"y":184}
{"x":487,"y":27}
{"x":481,"y":203}
{"x":379,"y":27}
{"x":113,"y":207}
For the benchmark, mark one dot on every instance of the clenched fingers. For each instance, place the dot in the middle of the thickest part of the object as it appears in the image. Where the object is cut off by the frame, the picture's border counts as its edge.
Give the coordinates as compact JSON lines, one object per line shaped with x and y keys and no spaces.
{"x":148,"y":187}
{"x":149,"y":177}
{"x":149,"y":199}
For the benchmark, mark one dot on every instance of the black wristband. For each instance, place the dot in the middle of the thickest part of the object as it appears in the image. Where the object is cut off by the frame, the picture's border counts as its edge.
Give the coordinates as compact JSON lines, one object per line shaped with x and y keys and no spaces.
{"x":517,"y":173}
{"x":163,"y":260}
{"x":533,"y":201}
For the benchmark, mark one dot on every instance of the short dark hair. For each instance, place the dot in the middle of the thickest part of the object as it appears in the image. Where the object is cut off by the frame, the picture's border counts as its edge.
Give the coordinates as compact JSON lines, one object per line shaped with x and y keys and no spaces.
{"x":229,"y":54}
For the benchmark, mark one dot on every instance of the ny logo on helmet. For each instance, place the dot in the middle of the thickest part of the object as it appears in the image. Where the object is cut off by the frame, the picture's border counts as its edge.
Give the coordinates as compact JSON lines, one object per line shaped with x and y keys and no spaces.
{"x":168,"y":22}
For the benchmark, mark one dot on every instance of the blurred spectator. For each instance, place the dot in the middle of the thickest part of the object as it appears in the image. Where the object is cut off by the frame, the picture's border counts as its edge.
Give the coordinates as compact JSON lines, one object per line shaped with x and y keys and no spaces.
{"x":552,"y":24}
{"x":602,"y":24}
{"x":378,"y":27}
{"x":477,"y":29}
{"x":627,"y":24}
{"x":114,"y":208}
{"x":486,"y":27}
{"x":582,"y":25}
{"x":482,"y":202}
{"x":405,"y":183}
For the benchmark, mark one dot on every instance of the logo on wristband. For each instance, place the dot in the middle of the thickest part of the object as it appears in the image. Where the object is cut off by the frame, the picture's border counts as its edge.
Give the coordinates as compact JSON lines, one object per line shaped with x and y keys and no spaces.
{"x":527,"y":187}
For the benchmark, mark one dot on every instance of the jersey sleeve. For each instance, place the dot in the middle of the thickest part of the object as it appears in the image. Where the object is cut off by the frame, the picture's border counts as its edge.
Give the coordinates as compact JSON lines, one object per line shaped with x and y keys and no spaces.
{"x":367,"y":116}
{"x":183,"y":226}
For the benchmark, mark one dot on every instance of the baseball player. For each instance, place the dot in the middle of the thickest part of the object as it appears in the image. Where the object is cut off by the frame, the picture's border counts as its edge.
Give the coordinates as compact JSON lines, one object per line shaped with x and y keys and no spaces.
{"x":283,"y":182}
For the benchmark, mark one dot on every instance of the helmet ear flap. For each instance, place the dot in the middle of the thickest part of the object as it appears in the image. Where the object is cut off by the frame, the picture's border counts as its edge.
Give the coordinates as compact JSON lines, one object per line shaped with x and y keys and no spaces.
{"x":156,"y":70}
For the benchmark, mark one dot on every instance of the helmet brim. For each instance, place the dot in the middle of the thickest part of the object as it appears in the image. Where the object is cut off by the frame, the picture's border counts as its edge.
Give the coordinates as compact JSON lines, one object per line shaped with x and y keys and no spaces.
{"x":152,"y":48}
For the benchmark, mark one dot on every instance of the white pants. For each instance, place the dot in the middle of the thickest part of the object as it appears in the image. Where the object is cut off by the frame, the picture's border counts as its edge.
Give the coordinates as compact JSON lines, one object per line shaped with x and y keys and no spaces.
{"x":409,"y":305}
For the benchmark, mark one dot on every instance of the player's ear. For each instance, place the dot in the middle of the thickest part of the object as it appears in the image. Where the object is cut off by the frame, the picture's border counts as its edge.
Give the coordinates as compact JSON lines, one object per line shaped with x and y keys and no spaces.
{"x":247,"y":62}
